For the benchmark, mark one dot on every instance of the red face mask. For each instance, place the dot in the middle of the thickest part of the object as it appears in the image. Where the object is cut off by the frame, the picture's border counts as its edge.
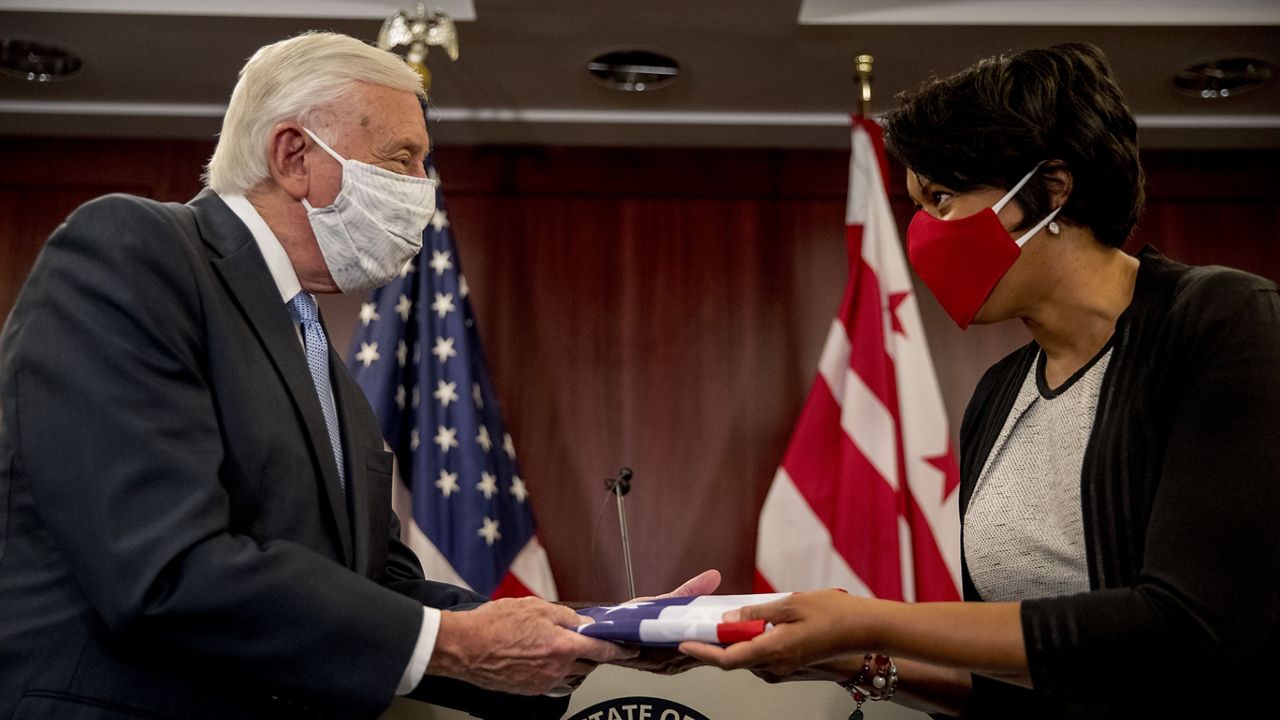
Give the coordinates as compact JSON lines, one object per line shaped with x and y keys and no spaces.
{"x":962,"y":260}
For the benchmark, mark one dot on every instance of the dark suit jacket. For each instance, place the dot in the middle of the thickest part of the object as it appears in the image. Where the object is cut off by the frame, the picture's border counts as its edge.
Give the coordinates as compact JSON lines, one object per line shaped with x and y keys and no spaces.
{"x":174,"y":541}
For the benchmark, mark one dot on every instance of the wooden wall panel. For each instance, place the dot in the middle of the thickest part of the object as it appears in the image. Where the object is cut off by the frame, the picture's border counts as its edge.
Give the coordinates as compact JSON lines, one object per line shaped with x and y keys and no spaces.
{"x":43,"y":180}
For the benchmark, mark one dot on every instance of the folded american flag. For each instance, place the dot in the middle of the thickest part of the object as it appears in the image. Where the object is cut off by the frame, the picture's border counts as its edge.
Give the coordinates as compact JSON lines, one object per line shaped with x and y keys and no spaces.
{"x":670,"y":621}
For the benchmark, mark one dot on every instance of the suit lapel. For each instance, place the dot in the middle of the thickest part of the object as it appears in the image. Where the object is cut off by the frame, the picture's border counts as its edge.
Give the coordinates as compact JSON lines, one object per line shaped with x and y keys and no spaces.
{"x":245,"y":273}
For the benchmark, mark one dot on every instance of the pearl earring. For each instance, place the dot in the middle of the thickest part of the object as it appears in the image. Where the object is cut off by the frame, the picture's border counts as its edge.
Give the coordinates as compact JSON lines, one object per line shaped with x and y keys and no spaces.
{"x":1053,"y":227}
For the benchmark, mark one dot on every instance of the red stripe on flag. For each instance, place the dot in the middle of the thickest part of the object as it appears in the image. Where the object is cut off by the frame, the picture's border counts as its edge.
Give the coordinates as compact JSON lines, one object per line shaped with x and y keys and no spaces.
{"x":932,"y":575}
{"x":877,"y":141}
{"x":760,"y":585}
{"x":862,"y":315}
{"x":728,"y":633}
{"x":844,"y":490}
{"x":511,"y":587}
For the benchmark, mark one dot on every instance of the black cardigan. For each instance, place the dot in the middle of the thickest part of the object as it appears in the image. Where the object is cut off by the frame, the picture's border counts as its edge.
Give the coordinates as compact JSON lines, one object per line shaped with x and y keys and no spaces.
{"x":1180,"y":493}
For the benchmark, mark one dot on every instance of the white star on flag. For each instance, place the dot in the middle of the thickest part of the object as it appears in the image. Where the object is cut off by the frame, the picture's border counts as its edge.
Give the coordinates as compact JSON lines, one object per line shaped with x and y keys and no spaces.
{"x":483,"y":438}
{"x":448,"y":483}
{"x":404,"y":306}
{"x":488,"y":485}
{"x":440,"y":220}
{"x":402,"y":353}
{"x":408,"y":268}
{"x":414,"y":441}
{"x":628,"y":606}
{"x":463,"y":288}
{"x":446,"y":438}
{"x":368,"y":353}
{"x":369,"y":313}
{"x":443,"y":304}
{"x":440,"y":262}
{"x":400,"y":397}
{"x":479,"y":398}
{"x":446,"y":392}
{"x":490,"y":531}
{"x":417,"y":396}
{"x":518,"y":489}
{"x":509,"y":445}
{"x":444,"y":349}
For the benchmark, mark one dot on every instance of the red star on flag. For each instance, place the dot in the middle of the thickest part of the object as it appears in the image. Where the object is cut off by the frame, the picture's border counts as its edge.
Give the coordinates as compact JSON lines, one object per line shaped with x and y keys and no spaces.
{"x":895,"y":299}
{"x":946,"y":464}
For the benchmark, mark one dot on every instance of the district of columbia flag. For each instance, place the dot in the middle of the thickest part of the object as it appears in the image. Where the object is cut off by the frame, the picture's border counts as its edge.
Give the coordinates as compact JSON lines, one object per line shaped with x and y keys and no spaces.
{"x":865,"y":498}
{"x":463,"y":505}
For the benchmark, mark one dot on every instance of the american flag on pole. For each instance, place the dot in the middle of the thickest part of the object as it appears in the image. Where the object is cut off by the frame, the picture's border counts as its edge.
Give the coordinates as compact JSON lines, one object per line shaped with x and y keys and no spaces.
{"x":866,"y":496}
{"x":464,"y":509}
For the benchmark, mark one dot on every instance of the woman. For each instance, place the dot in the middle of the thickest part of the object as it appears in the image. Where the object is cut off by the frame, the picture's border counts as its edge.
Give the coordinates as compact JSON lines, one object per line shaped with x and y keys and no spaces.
{"x":1119,"y":489}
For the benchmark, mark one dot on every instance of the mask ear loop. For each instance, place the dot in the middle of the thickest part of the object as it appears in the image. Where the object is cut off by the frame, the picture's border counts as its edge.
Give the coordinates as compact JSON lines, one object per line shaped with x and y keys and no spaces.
{"x":342,"y":161}
{"x":999,"y":203}
{"x":1038,"y":226}
{"x":1014,"y":191}
{"x":324,"y":146}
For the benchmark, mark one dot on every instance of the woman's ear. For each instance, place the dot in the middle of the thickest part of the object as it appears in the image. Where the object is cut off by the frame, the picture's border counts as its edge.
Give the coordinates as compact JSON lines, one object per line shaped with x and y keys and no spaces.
{"x":286,"y":159}
{"x":1057,"y":180}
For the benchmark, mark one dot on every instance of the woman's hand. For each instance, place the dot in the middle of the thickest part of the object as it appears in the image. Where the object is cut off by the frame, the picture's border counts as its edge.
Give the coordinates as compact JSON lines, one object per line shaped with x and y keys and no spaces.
{"x":809,"y":627}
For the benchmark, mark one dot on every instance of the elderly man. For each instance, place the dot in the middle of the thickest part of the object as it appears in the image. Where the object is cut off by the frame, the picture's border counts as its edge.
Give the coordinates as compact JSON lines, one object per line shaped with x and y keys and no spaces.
{"x":194,"y":496}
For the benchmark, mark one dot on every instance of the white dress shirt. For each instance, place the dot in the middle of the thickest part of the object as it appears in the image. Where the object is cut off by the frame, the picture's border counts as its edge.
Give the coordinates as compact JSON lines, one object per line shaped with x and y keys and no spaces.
{"x":286,"y":279}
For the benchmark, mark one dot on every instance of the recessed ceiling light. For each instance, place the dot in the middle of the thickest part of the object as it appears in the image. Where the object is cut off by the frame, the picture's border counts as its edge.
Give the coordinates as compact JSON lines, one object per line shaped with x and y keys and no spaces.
{"x":634,"y":70}
{"x":36,"y":61}
{"x":1226,"y":77}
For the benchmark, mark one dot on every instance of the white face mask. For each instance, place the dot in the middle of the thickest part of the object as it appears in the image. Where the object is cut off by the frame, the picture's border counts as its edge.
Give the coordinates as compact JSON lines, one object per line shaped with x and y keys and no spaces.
{"x":374,"y":227}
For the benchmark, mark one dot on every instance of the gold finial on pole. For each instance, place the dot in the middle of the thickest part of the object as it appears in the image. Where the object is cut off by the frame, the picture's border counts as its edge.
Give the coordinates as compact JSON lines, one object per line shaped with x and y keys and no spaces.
{"x":409,"y":34}
{"x":862,"y":77}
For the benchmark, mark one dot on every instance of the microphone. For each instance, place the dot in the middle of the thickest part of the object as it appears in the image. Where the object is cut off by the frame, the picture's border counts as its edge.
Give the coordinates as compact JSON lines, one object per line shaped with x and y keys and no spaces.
{"x":619,"y":486}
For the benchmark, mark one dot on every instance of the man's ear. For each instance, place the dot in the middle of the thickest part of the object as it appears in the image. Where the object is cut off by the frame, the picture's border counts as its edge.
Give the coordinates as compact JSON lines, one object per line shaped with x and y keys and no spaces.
{"x":1057,"y":180}
{"x":286,"y":159}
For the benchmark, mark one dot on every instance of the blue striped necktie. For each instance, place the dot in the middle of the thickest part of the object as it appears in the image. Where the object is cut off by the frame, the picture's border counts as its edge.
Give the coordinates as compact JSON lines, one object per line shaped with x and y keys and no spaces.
{"x":304,"y":310}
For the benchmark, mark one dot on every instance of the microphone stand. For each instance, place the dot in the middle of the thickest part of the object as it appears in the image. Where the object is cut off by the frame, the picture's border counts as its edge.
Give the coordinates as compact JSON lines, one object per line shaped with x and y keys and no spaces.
{"x":620,"y":486}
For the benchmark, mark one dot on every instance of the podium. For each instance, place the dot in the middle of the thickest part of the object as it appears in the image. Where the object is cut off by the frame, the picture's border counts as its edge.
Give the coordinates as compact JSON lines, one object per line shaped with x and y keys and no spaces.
{"x":705,"y":692}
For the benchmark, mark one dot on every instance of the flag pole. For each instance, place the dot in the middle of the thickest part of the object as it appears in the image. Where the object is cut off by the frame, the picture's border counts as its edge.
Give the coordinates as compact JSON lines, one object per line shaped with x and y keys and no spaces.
{"x":862,"y":78}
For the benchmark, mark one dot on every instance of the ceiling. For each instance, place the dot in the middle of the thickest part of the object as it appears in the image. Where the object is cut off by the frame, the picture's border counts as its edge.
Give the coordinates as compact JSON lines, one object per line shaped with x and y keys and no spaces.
{"x":769,"y":73}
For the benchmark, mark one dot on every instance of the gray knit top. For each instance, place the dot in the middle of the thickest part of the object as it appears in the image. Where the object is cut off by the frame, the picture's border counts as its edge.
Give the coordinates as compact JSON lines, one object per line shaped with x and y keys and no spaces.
{"x":1023,"y":533}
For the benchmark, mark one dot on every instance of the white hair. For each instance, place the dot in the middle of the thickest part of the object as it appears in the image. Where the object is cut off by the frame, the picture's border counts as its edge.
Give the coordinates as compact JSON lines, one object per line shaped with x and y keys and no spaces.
{"x":291,"y":80}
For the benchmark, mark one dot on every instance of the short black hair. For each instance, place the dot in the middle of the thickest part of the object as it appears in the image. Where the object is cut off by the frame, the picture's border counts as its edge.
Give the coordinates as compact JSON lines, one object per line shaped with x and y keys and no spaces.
{"x":988,"y":126}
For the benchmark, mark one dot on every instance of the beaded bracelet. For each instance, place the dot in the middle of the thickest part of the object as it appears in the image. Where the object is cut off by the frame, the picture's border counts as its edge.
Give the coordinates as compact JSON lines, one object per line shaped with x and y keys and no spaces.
{"x":883,"y":681}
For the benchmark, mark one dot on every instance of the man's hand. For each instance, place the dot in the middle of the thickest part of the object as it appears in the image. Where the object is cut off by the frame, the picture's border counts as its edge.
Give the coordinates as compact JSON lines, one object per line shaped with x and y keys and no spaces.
{"x":518,"y":646}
